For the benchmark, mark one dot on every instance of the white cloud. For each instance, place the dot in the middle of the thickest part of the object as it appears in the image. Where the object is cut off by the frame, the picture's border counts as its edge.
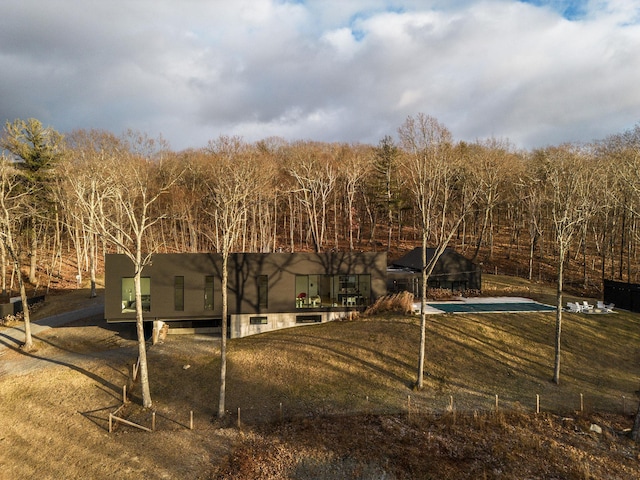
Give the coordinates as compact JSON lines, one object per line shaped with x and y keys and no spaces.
{"x":324,"y":70}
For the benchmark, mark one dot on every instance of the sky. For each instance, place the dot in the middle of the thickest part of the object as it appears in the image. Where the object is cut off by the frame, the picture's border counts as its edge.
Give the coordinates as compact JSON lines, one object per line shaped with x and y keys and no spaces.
{"x":534,"y":72}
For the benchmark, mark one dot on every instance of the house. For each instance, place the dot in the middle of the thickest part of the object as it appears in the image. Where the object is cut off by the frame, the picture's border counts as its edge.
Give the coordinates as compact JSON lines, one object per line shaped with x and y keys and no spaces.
{"x":452,"y":271}
{"x":265,"y":291}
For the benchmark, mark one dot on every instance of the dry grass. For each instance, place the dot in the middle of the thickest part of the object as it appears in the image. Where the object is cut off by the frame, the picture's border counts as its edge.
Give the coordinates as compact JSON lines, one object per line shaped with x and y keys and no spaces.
{"x":513,"y":446}
{"x":398,"y":302}
{"x":336,"y":401}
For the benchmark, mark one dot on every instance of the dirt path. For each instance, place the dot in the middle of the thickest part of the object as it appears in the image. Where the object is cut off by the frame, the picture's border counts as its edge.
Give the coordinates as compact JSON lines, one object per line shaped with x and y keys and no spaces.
{"x":73,"y":344}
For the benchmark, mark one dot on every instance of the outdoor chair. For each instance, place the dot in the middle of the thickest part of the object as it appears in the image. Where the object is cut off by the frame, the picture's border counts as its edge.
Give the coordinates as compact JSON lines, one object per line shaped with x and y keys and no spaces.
{"x":586,"y":307}
{"x":574,"y":307}
{"x":604,"y":308}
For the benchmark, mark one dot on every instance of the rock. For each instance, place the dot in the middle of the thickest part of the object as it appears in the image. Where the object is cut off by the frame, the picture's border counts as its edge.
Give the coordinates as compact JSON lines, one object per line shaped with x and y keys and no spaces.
{"x":163,"y":332}
{"x":160,"y":330}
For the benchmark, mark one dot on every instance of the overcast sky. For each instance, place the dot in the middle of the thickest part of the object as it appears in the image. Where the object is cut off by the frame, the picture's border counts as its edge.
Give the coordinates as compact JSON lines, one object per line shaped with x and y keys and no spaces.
{"x":539,"y":72}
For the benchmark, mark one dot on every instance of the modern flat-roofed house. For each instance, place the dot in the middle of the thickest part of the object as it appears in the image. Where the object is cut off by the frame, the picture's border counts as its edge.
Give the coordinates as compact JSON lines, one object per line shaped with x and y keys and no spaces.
{"x":266,"y":291}
{"x":452,"y":271}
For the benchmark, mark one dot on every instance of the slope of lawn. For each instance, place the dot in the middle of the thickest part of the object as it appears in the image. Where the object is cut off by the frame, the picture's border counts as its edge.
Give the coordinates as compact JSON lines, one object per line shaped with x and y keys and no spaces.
{"x":336,"y":400}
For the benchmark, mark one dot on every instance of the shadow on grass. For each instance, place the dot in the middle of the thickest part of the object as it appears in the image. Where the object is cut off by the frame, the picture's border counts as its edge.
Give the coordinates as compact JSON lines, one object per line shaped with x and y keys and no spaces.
{"x":31,"y":355}
{"x":99,"y":420}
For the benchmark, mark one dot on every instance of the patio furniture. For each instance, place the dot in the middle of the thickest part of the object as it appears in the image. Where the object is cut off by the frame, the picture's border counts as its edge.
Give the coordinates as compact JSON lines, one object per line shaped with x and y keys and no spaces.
{"x":300,"y":299}
{"x":574,"y":307}
{"x":586,"y":307}
{"x":604,"y":308}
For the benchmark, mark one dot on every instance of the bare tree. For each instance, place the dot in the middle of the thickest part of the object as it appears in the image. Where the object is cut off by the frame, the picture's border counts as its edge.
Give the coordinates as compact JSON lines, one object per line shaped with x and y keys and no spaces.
{"x":568,"y":177}
{"x":134,"y":192}
{"x":432,"y":173}
{"x":623,"y":151}
{"x":490,"y":160}
{"x":14,"y":208}
{"x":234,"y":179}
{"x":353,"y":170}
{"x":82,"y":189}
{"x":316,"y":178}
{"x":533,"y":195}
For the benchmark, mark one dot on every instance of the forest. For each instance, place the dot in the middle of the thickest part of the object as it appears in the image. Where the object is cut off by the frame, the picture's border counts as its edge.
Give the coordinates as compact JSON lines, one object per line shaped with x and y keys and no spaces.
{"x":65,"y":200}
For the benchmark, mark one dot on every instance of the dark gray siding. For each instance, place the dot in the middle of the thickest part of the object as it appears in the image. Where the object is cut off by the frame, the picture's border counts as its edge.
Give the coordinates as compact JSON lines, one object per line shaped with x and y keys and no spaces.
{"x":244,"y":269}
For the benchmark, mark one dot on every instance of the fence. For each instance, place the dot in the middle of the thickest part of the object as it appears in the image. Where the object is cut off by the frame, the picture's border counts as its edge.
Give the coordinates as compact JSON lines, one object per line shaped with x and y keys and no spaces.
{"x":411,"y":405}
{"x":623,"y":295}
{"x":416,"y":405}
{"x":117,"y":416}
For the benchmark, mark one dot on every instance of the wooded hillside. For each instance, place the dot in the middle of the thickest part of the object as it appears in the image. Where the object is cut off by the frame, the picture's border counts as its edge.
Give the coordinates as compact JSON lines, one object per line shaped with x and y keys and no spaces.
{"x":65,"y":200}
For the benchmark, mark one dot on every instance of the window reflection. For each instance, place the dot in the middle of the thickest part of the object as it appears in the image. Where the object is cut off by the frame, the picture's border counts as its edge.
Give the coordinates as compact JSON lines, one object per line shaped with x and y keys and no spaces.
{"x":313,"y":291}
{"x":129,"y":294}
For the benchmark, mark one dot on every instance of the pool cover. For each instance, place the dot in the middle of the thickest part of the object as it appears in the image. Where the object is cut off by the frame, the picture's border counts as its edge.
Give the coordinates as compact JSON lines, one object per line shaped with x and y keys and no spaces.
{"x":461,"y":307}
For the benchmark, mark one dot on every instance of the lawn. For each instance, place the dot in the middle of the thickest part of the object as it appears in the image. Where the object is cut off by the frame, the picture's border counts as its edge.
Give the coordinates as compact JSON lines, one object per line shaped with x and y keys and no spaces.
{"x":336,"y":400}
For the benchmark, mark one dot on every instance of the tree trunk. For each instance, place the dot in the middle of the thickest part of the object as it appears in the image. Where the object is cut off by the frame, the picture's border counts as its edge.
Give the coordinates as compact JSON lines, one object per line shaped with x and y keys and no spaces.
{"x":3,"y":269}
{"x":532,"y":248}
{"x":485,"y":221}
{"x":635,"y":431}
{"x":223,"y":340}
{"x":33,"y":253}
{"x":142,"y":347}
{"x":93,"y":259}
{"x":423,"y":315}
{"x":28,"y":340}
{"x":556,"y":368}
{"x":389,"y":216}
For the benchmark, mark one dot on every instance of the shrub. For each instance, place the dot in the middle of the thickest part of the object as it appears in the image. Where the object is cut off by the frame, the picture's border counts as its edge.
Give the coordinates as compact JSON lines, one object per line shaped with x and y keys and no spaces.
{"x":398,"y":302}
{"x":439,"y":294}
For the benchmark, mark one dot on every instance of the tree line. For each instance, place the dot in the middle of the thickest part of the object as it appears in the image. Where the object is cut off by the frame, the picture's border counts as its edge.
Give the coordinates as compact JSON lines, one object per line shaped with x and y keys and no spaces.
{"x":71,"y":198}
{"x":318,"y":196}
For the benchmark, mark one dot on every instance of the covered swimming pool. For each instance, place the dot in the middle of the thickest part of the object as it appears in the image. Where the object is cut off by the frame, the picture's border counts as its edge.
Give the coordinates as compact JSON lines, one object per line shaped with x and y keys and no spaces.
{"x":487,"y":305}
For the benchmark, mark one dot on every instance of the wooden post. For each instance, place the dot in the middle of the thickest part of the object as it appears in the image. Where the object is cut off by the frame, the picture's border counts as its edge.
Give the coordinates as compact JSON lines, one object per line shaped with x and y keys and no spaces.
{"x":581,"y":403}
{"x":496,"y":402}
{"x":124,"y":393}
{"x":239,"y":424}
{"x":153,"y":421}
{"x":537,"y":403}
{"x":451,"y":403}
{"x":132,"y":424}
{"x":191,"y":420}
{"x":110,"y":423}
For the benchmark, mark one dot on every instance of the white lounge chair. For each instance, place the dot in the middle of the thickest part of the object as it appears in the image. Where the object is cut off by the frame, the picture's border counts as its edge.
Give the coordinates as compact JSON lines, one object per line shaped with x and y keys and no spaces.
{"x":604,"y":308}
{"x":586,"y":307}
{"x":574,"y":307}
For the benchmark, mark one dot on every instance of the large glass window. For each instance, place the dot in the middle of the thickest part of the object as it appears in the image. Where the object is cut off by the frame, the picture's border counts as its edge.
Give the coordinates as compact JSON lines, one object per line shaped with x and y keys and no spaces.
{"x":129,"y":294}
{"x":208,"y":292}
{"x":332,"y":290}
{"x":263,"y":291}
{"x":178,"y":293}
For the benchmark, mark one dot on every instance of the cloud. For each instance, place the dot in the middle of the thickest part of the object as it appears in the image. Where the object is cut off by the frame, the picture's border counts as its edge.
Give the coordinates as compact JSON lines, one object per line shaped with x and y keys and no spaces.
{"x":539,"y":72}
